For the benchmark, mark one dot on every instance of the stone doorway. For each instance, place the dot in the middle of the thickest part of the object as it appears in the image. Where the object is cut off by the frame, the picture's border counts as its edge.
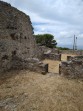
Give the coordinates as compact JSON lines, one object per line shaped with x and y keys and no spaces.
{"x":53,"y":65}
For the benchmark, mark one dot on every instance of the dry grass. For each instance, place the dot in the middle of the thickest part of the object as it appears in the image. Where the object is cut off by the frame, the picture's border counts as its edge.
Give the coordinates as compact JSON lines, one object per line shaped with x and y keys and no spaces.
{"x":29,"y":91}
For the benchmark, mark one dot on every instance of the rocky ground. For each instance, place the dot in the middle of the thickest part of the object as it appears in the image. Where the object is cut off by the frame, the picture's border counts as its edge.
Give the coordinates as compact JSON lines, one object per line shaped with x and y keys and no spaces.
{"x":29,"y":91}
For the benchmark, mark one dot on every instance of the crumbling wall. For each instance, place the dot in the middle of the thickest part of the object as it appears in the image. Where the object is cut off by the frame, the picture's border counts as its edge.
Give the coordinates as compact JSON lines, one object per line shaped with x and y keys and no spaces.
{"x":72,"y":68}
{"x":16,"y":26}
{"x":74,"y":52}
{"x":17,"y":41}
{"x":32,"y":64}
{"x":53,"y":56}
{"x":48,"y":53}
{"x":70,"y":58}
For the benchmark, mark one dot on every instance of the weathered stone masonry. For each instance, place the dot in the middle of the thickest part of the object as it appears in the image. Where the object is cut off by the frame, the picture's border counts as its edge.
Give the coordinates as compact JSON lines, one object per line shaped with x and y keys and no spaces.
{"x":72,"y":68}
{"x":48,"y":53}
{"x":74,"y":52}
{"x":18,"y":49}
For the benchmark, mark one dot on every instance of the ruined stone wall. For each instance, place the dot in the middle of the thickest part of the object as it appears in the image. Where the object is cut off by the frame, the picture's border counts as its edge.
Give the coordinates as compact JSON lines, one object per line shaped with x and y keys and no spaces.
{"x":76,"y":52}
{"x":72,"y":68}
{"x":48,"y":53}
{"x":32,"y":64}
{"x":53,"y":56}
{"x":16,"y":26}
{"x":70,"y":58}
{"x":16,"y":39}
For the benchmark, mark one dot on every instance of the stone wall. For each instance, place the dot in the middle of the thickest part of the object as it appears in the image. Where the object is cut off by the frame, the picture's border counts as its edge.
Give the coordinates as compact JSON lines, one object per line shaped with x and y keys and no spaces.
{"x":53,"y":56}
{"x":32,"y":64}
{"x":70,"y":58}
{"x":48,"y":53}
{"x":76,"y":52}
{"x":16,"y":26}
{"x":72,"y":68}
{"x":16,"y":40}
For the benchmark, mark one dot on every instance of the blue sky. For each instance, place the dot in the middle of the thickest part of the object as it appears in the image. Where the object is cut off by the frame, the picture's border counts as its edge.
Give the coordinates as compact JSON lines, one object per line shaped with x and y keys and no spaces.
{"x":62,"y":18}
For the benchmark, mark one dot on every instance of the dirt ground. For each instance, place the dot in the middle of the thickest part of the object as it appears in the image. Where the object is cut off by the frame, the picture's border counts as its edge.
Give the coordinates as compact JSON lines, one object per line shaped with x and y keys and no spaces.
{"x":30,"y":91}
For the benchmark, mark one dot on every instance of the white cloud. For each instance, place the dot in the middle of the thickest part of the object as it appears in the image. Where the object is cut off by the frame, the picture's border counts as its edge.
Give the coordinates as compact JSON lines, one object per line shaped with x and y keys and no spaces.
{"x":80,"y":35}
{"x":62,"y":18}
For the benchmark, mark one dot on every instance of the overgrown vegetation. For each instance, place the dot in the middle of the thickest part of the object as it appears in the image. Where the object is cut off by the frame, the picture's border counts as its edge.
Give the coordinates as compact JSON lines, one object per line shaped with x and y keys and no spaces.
{"x":46,"y":40}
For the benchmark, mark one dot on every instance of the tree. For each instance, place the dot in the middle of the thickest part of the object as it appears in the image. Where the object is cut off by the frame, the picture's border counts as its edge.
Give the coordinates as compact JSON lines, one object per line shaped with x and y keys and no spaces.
{"x":46,"y":40}
{"x":63,"y":48}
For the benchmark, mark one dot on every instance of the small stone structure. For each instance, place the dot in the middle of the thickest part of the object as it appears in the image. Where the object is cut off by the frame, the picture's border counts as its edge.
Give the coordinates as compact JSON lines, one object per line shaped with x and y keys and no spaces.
{"x":72,"y":68}
{"x":18,"y":49}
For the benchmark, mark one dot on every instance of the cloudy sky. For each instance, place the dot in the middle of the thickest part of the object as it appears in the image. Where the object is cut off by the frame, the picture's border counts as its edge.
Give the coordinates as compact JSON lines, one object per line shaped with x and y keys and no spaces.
{"x":62,"y":18}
